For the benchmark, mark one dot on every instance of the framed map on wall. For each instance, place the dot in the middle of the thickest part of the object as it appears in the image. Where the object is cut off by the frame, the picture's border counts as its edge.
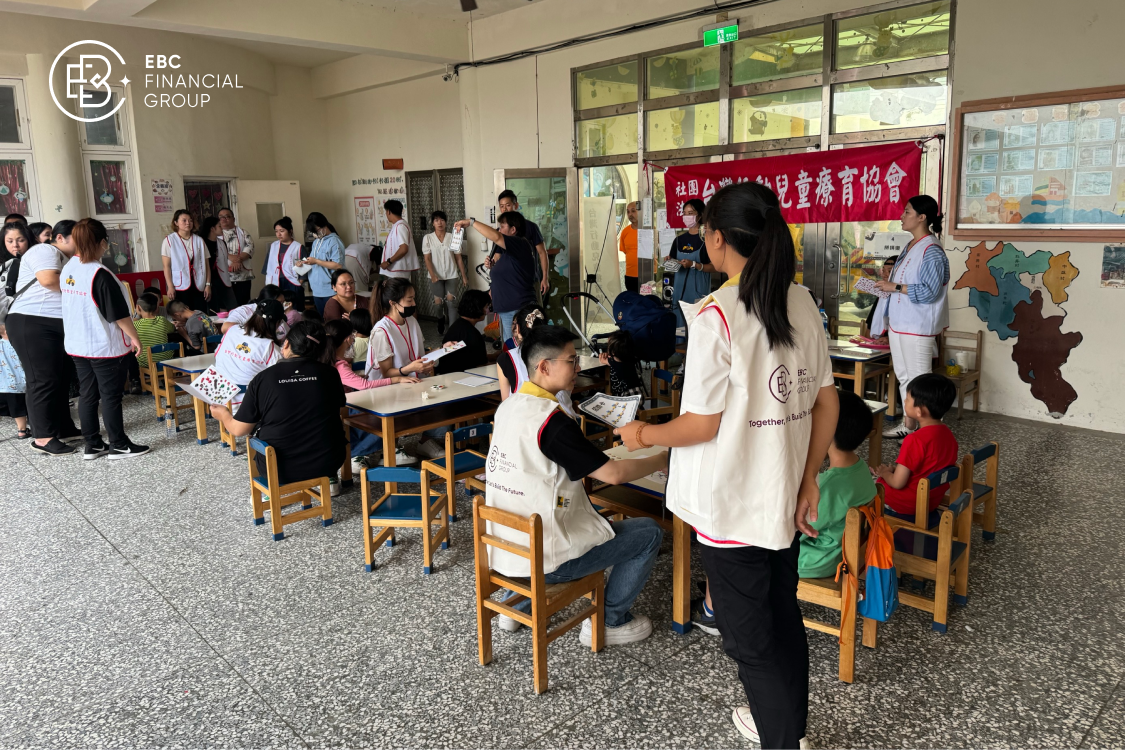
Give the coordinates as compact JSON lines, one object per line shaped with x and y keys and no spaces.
{"x":1044,"y":166}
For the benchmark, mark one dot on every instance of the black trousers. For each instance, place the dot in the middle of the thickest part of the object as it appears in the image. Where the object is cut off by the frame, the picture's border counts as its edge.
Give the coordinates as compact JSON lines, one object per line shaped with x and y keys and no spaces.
{"x":754,"y":592}
{"x":39,"y":343}
{"x":102,"y":380}
{"x":241,"y":291}
{"x":193,"y":298}
{"x":633,"y":283}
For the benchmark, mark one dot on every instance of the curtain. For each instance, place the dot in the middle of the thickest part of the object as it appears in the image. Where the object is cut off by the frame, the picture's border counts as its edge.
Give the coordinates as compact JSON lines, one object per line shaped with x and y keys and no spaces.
{"x":12,"y":178}
{"x":109,"y":187}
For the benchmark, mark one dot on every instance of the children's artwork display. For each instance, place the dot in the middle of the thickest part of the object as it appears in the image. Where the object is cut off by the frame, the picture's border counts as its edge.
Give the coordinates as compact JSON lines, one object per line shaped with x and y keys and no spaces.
{"x":1042,"y":165}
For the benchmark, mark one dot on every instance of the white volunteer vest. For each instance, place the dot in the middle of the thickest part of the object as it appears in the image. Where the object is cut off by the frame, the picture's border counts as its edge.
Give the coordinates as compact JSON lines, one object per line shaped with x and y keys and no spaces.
{"x":222,"y":262}
{"x":565,"y":401}
{"x":242,"y":355}
{"x":188,"y":261}
{"x":87,"y":333}
{"x":283,"y":266}
{"x":524,"y":481}
{"x":406,"y":342}
{"x":741,"y":486}
{"x":904,"y":316}
{"x":407,"y":263}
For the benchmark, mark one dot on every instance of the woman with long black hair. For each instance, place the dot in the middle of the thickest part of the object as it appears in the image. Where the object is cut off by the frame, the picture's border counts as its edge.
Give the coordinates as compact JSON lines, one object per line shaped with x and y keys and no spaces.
{"x":280,"y":263}
{"x":327,"y":255}
{"x":759,"y":410}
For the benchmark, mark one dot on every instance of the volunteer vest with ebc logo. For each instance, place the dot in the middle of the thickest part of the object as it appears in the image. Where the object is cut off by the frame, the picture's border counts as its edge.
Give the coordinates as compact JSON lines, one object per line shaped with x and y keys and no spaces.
{"x":87,"y":333}
{"x":188,"y":263}
{"x":523,"y":481}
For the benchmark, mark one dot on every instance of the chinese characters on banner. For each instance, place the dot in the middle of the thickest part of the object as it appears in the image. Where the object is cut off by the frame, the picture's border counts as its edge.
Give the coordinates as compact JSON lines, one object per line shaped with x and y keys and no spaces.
{"x":366,"y":232}
{"x":868,"y":183}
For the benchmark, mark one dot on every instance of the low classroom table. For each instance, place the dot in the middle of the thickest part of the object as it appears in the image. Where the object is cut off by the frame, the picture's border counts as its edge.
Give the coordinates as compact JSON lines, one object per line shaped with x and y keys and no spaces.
{"x":644,"y":497}
{"x":484,"y":371}
{"x":194,"y":366}
{"x":861,"y":357}
{"x":397,"y":410}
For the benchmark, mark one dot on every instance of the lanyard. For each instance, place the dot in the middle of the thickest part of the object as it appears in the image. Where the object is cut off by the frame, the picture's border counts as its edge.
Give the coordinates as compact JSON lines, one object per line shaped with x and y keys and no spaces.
{"x":409,"y":346}
{"x":190,"y":253}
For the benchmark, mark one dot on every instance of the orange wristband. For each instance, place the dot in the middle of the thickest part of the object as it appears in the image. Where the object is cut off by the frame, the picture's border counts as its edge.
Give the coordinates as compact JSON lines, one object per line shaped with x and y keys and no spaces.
{"x":641,"y":428}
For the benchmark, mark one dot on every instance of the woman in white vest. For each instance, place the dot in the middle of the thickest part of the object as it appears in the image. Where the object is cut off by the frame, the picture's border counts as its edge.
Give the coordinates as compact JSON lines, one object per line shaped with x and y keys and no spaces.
{"x":186,"y":270}
{"x":759,"y":410}
{"x":400,"y":259}
{"x":509,"y":365}
{"x":280,"y":268}
{"x":250,"y":347}
{"x":99,"y":337}
{"x":918,"y":309}
{"x":396,"y":344}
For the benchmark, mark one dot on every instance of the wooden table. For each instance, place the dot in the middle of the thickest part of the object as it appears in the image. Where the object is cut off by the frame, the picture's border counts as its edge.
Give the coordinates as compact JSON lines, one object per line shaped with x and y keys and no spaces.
{"x":879,"y":360}
{"x":192,"y":366}
{"x":397,"y":410}
{"x":484,"y":371}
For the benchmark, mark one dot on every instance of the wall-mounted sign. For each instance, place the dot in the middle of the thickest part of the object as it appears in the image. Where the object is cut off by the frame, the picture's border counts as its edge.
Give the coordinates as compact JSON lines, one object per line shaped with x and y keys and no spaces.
{"x":721,"y":35}
{"x":162,"y":195}
{"x":392,"y":163}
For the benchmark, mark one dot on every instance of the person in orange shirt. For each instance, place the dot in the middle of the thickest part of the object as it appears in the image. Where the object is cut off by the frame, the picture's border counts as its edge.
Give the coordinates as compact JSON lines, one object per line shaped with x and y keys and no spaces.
{"x":627,"y":244}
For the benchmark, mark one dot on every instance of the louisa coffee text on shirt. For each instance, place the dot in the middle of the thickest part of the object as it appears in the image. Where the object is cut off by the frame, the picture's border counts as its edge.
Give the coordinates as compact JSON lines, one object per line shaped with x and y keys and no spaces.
{"x":181,"y":81}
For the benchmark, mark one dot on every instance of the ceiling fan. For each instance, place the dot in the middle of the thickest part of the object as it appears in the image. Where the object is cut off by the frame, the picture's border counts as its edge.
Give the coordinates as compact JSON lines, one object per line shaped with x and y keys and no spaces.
{"x":468,"y":5}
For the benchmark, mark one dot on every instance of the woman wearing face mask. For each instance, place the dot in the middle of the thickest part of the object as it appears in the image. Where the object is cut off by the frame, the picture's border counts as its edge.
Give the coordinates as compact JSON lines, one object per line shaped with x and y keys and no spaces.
{"x":693,"y":281}
{"x":396,"y":346}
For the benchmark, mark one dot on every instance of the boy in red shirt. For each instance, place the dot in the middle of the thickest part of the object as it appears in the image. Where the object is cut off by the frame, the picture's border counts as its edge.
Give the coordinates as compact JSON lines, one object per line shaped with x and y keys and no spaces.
{"x":930,"y":448}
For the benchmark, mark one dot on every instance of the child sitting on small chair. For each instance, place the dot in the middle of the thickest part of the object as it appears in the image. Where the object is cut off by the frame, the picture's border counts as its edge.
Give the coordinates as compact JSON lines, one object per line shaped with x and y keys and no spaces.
{"x":930,"y":448}
{"x":192,"y":325}
{"x":152,"y":329}
{"x":624,"y":369}
{"x":846,"y":484}
{"x":13,"y":386}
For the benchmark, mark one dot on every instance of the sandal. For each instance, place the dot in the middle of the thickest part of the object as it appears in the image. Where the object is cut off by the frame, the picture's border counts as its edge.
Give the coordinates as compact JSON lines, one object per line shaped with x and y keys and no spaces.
{"x":23,"y":434}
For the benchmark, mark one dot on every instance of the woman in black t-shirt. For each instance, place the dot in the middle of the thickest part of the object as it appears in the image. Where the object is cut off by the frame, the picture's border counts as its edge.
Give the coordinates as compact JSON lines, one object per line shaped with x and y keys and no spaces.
{"x":295,"y":407}
{"x":471,"y":309}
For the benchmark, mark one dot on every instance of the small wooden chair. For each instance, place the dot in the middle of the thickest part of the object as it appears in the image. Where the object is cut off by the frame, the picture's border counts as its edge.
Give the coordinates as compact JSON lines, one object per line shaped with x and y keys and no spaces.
{"x":939,"y":553}
{"x":458,"y":465}
{"x":152,"y":376}
{"x":834,"y":592}
{"x":277,"y":495}
{"x":394,"y":510}
{"x":546,"y":599}
{"x":210,"y":343}
{"x":968,"y":382}
{"x":989,"y":455}
{"x":661,"y":391}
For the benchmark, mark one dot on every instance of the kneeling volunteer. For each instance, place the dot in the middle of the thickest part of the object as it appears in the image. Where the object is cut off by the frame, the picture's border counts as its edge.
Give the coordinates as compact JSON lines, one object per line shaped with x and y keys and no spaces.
{"x":538,"y":460}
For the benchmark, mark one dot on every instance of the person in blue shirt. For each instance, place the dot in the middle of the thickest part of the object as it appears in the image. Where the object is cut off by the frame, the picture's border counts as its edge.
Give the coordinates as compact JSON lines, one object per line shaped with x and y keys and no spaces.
{"x":327,"y":254}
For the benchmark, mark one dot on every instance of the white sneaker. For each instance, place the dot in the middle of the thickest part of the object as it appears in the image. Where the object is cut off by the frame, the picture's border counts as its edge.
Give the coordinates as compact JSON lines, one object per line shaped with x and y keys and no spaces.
{"x":898,"y":432}
{"x":334,"y":487}
{"x":430,"y":449}
{"x":402,"y":458}
{"x":509,"y":625}
{"x":637,"y":629}
{"x":744,"y":723}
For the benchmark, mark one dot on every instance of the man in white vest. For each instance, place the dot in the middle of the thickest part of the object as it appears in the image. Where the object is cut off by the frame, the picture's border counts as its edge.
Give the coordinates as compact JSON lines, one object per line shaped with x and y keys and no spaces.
{"x":240,"y":248}
{"x":537,"y":462}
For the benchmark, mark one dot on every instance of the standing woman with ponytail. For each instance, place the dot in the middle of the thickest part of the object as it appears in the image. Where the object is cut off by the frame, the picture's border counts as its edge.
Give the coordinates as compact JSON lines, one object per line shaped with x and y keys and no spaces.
{"x":918,"y":308}
{"x":759,"y":410}
{"x":186,"y":270}
{"x":99,"y":337}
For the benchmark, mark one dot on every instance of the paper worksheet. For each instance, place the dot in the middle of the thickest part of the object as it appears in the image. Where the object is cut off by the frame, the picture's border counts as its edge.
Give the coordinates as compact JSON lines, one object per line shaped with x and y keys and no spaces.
{"x":614,"y":411}
{"x":867,"y":286}
{"x":458,"y":238}
{"x":644,"y":243}
{"x":437,"y":354}
{"x":212,"y":388}
{"x":474,"y":381}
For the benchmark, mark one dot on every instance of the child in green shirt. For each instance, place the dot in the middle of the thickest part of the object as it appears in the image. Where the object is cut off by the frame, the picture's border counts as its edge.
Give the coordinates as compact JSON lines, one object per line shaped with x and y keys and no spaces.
{"x":152,"y":329}
{"x":846,"y":484}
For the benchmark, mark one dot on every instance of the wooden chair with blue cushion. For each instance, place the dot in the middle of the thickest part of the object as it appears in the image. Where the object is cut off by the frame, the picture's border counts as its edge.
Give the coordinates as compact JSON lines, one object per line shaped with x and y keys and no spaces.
{"x":152,"y":377}
{"x":937,"y":551}
{"x":984,"y":494}
{"x":394,"y":509}
{"x":268,"y":493}
{"x":225,"y":437}
{"x":457,"y":465}
{"x":546,"y":599}
{"x":212,"y":342}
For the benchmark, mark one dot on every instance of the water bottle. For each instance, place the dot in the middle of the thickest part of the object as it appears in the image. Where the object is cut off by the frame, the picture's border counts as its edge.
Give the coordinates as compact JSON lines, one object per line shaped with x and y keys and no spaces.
{"x":824,"y":319}
{"x":169,"y":423}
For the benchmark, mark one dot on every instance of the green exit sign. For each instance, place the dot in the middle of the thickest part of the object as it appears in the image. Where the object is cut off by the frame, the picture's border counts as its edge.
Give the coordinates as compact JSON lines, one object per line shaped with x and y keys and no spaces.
{"x":722,"y":35}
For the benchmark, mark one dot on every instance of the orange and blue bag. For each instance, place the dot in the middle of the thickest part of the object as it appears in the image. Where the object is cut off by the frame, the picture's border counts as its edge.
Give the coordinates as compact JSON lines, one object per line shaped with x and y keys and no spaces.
{"x":880,"y":599}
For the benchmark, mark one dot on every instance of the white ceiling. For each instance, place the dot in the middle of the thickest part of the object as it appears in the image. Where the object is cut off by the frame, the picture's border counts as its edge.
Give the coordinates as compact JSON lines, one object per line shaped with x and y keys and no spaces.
{"x":450,"y":9}
{"x":287,"y":54}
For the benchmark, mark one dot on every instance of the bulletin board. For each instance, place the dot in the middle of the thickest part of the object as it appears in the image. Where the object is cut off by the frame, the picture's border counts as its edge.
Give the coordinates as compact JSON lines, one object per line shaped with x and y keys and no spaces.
{"x":1045,"y":166}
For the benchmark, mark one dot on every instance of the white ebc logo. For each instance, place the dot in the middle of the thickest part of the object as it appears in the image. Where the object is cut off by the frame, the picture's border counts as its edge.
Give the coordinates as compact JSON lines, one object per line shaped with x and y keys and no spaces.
{"x":88,"y":82}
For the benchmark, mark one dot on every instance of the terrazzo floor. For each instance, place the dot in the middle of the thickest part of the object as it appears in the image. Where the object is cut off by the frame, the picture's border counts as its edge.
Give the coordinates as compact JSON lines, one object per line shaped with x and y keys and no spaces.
{"x":139,"y":607}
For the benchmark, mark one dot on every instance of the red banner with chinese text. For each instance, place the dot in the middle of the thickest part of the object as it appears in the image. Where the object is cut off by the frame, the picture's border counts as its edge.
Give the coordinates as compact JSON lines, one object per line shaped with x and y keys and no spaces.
{"x":867,"y":183}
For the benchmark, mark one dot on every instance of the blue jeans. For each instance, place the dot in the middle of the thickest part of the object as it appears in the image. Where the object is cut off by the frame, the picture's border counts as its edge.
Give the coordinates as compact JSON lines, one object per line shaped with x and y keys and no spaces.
{"x":365,"y":443}
{"x":506,"y":319}
{"x":631,"y":552}
{"x":320,"y":302}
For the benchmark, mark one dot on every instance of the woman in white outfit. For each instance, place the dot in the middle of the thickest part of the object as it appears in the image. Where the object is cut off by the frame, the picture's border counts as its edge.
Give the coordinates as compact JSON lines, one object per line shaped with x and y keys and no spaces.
{"x":444,"y":267}
{"x":759,"y":410}
{"x":918,"y":308}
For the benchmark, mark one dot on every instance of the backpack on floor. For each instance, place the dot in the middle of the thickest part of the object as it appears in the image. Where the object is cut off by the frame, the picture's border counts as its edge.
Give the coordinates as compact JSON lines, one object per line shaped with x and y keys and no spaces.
{"x":880,"y":598}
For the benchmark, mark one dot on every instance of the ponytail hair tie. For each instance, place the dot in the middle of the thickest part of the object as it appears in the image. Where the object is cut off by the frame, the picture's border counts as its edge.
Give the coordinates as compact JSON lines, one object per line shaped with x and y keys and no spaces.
{"x":529,"y":319}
